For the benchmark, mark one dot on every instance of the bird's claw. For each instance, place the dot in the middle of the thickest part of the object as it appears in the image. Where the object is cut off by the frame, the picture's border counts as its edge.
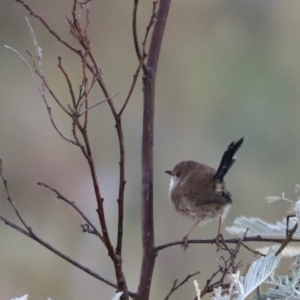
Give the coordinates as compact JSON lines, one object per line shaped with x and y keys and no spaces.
{"x":219,"y":240}
{"x":185,"y":243}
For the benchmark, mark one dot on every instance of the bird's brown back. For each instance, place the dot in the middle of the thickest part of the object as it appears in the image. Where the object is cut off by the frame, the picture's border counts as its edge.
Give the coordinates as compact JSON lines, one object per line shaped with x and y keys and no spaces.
{"x":197,"y":192}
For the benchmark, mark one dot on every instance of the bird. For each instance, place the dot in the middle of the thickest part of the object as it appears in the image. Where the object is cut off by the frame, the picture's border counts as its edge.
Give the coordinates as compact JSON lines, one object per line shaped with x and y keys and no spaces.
{"x":199,"y":192}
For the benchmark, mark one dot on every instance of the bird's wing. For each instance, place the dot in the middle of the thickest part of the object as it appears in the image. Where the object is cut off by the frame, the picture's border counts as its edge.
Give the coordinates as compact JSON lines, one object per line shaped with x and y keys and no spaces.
{"x":201,"y":189}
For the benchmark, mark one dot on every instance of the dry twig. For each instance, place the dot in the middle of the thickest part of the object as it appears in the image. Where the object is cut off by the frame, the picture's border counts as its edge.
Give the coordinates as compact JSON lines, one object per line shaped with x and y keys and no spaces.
{"x":177,"y":286}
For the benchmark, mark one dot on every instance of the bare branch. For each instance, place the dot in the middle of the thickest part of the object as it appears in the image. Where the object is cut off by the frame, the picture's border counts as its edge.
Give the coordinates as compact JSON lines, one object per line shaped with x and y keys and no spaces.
{"x":26,"y":63}
{"x":33,"y":236}
{"x":149,"y":80}
{"x":11,"y":201}
{"x":38,"y":50}
{"x":177,"y":286}
{"x":102,"y":101}
{"x":144,"y":55}
{"x":152,"y":21}
{"x":227,"y":241}
{"x":68,"y":81}
{"x":134,"y":30}
{"x":135,"y":77}
{"x":72,"y":204}
{"x":289,"y":237}
{"x":45,"y":84}
{"x":225,"y":267}
{"x":255,"y":252}
{"x":41,"y":92}
{"x":60,"y":254}
{"x":78,"y":143}
{"x":41,"y":19}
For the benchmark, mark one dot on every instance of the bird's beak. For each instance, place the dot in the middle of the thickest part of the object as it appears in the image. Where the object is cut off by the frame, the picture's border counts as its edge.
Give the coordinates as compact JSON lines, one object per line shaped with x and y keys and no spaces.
{"x":169,"y":172}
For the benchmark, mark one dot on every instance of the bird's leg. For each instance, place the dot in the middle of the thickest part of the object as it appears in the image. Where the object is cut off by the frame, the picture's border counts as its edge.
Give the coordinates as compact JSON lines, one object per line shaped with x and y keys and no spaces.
{"x":219,"y":236}
{"x":185,"y":243}
{"x":220,"y":225}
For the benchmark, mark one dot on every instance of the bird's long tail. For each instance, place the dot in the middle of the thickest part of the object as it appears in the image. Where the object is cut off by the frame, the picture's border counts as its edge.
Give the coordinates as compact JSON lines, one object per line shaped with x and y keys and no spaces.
{"x":227,"y":159}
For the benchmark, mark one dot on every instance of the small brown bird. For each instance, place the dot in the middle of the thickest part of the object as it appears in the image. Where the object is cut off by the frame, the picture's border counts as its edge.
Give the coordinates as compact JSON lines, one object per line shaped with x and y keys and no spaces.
{"x":198,"y":191}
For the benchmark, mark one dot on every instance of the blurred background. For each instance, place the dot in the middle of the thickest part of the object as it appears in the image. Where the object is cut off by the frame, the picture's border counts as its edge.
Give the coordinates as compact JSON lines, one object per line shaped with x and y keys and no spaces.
{"x":227,"y":69}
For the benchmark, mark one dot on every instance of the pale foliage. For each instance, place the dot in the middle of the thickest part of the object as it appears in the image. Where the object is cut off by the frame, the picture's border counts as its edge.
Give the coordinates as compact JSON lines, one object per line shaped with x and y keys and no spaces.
{"x":242,"y":286}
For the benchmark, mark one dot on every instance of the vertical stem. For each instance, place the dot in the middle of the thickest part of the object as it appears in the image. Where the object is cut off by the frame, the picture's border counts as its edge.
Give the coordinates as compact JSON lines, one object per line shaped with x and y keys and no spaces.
{"x":150,"y":69}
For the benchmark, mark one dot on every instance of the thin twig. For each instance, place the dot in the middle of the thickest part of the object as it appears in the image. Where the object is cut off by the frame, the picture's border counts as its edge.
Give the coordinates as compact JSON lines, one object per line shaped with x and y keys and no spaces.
{"x":229,"y":266}
{"x":140,"y":56}
{"x":45,"y":83}
{"x":38,"y":49}
{"x":255,"y":252}
{"x":25,"y":62}
{"x":11,"y":201}
{"x":135,"y":77}
{"x":152,"y":21}
{"x":42,"y":94}
{"x":134,"y":30}
{"x":72,"y":204}
{"x":79,"y":144}
{"x":288,"y":239}
{"x":71,"y":91}
{"x":85,"y":89}
{"x":41,"y":19}
{"x":177,"y":286}
{"x":102,"y":101}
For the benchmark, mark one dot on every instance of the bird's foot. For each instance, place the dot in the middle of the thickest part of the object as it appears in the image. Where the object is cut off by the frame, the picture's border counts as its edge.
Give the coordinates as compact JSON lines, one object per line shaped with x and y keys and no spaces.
{"x":219,"y":241}
{"x":185,"y":243}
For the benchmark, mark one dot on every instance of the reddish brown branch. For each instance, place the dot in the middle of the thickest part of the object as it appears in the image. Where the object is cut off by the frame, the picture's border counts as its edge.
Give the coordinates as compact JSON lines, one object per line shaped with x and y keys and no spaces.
{"x":99,"y":199}
{"x":91,"y":65}
{"x":135,"y":77}
{"x":71,"y":91}
{"x":141,"y":57}
{"x":45,"y":83}
{"x":117,"y":260}
{"x":41,"y":19}
{"x":85,"y":90}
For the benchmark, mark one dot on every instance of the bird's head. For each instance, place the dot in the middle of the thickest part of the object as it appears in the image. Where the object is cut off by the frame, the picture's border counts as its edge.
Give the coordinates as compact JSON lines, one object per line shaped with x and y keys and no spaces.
{"x":180,"y":171}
